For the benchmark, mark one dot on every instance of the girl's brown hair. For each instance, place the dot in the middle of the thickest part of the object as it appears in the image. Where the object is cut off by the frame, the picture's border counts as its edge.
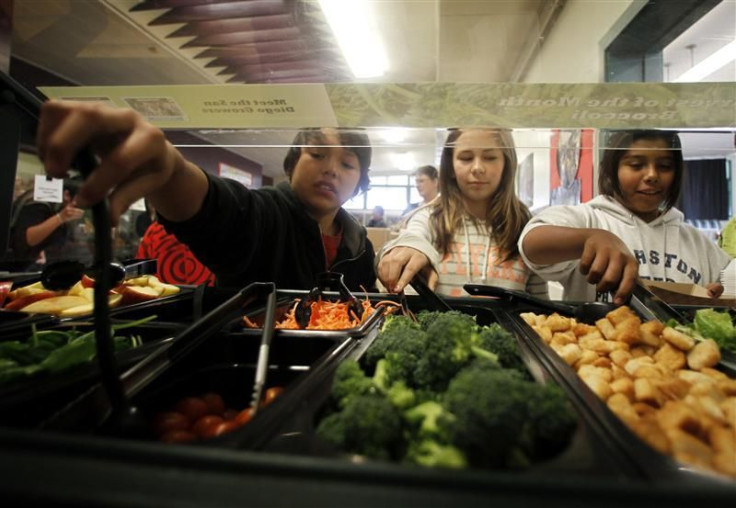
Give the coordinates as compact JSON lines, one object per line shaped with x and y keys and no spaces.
{"x":619,"y":143}
{"x":507,"y":216}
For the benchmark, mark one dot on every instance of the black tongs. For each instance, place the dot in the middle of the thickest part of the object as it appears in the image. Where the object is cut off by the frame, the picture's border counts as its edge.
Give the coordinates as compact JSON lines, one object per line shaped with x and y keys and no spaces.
{"x":326,"y":281}
{"x":432,"y":299}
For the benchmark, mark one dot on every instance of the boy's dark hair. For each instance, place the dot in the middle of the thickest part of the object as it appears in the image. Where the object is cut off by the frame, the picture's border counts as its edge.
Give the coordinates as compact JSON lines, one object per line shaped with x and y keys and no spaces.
{"x":356,"y":141}
{"x":429,"y":171}
{"x":618,"y":144}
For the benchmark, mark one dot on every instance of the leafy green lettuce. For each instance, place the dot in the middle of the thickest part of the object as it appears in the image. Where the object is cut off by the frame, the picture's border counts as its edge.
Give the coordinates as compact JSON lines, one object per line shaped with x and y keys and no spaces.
{"x":717,"y":326}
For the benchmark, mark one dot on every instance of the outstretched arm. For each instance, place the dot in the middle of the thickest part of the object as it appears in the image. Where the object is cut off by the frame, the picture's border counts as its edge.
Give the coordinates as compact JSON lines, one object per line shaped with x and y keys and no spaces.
{"x":604,"y":258}
{"x":135,"y":159}
{"x":39,"y":232}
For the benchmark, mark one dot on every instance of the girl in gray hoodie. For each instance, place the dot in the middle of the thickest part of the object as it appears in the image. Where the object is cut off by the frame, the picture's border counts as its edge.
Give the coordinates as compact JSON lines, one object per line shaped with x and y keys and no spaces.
{"x":631,"y":230}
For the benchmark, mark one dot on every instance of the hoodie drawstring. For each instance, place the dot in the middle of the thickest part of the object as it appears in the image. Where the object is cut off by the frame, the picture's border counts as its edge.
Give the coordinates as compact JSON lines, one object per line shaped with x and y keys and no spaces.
{"x":467,"y":254}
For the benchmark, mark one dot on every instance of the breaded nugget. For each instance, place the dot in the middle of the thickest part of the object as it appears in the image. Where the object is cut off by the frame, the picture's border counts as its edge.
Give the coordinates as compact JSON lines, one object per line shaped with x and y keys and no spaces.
{"x":620,"y":357}
{"x":621,"y":314}
{"x":558,"y":323}
{"x":600,"y":386}
{"x":705,"y":353}
{"x":624,"y":386}
{"x":670,"y":356}
{"x":571,"y":353}
{"x":648,"y":430}
{"x":628,"y":330}
{"x":678,"y":339}
{"x":621,"y":406}
{"x":678,"y":415}
{"x":645,"y":391}
{"x":544,"y":332}
{"x":650,"y":333}
{"x":606,"y":328}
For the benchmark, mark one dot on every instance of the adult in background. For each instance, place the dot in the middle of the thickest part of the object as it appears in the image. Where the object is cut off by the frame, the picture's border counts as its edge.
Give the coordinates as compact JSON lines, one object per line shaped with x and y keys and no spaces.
{"x":427,"y":182}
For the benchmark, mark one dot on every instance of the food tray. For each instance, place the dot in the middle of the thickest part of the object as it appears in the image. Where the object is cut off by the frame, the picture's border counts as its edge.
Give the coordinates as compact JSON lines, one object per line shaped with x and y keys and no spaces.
{"x":203,"y":345}
{"x":25,"y":403}
{"x":655,"y":466}
{"x":292,"y":430}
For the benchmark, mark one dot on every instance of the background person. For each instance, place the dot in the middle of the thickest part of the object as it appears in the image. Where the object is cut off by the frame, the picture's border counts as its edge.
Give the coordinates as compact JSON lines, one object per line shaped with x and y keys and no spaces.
{"x":426,"y":180}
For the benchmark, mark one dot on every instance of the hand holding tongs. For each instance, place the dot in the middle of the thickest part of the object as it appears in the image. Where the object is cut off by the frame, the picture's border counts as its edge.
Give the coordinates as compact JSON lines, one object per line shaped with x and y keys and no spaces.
{"x":326,"y":281}
{"x":269,"y":326}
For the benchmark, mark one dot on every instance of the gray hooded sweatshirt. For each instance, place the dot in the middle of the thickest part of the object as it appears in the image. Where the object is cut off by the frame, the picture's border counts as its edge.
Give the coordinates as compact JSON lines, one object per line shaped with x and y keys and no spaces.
{"x":667,"y":249}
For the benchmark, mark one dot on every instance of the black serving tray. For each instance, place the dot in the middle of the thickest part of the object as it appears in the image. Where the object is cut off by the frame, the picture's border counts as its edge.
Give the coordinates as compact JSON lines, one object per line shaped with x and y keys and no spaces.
{"x":291,"y":430}
{"x":203,"y":346}
{"x":27,"y":402}
{"x":654,"y":466}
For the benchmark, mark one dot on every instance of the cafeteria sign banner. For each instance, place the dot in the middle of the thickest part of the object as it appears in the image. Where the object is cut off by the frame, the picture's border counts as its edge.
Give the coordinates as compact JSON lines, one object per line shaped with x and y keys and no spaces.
{"x":580,"y":105}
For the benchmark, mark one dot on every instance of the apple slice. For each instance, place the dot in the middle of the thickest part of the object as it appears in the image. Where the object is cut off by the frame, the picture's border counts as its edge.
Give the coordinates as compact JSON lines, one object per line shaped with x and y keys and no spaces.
{"x":87,"y":308}
{"x":137,"y":281}
{"x":76,"y":290}
{"x":23,"y":301}
{"x":31,"y":289}
{"x":137,"y":294}
{"x":87,"y":281}
{"x":169,"y":289}
{"x":55,"y":304}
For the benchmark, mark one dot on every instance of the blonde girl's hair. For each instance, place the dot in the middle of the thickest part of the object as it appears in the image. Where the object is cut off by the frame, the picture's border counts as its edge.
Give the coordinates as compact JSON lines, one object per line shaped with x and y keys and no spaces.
{"x":507,"y":216}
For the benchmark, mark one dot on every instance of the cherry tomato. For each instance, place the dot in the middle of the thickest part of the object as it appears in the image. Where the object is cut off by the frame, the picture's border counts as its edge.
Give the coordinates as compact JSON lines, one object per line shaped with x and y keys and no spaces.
{"x":271,"y":394}
{"x":178,"y":436}
{"x":243,"y":417}
{"x":205,"y":424}
{"x":215,"y":404}
{"x":229,"y":414}
{"x":192,"y":407}
{"x":170,"y":421}
{"x":224,"y":428}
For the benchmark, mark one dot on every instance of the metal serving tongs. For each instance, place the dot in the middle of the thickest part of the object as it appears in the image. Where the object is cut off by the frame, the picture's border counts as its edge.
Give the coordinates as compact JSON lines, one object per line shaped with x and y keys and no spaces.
{"x":326,"y":281}
{"x":269,"y":325}
{"x":650,"y":306}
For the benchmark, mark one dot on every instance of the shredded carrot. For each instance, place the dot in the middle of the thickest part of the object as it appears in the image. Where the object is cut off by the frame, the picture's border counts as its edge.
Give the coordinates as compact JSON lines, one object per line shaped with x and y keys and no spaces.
{"x":326,"y":315}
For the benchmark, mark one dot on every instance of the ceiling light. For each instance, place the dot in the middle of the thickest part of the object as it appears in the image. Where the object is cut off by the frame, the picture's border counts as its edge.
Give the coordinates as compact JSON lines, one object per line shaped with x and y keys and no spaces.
{"x":709,"y":65}
{"x":357,"y":35}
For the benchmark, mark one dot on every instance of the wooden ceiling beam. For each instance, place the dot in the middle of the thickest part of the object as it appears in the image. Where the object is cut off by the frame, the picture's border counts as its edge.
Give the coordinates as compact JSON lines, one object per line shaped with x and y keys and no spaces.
{"x":232,"y":9}
{"x":224,"y":26}
{"x":256,"y":36}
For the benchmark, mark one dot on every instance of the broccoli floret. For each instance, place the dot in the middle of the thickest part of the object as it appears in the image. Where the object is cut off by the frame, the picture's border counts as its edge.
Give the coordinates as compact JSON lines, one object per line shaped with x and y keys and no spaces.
{"x":350,"y":381}
{"x":404,"y":337}
{"x":552,"y":421}
{"x":490,"y":408}
{"x":500,"y":342}
{"x":400,"y":395}
{"x":427,"y":318}
{"x":397,"y":322}
{"x":404,"y":356}
{"x":429,"y":420}
{"x":429,"y":453}
{"x":368,"y":425}
{"x":448,"y":349}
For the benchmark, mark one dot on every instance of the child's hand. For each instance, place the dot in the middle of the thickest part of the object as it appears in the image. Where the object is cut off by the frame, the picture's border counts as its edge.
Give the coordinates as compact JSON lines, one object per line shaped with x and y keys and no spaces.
{"x":399,"y":266}
{"x":135,"y":158}
{"x":70,"y":212}
{"x":715,"y":290}
{"x":609,"y":264}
